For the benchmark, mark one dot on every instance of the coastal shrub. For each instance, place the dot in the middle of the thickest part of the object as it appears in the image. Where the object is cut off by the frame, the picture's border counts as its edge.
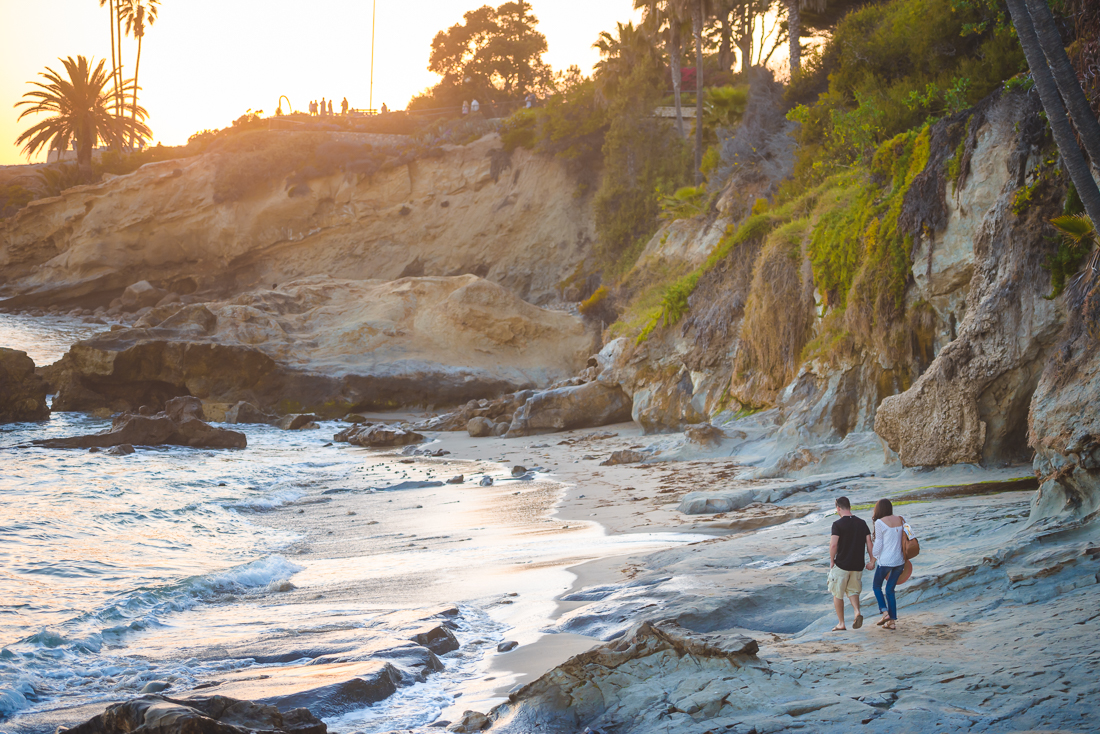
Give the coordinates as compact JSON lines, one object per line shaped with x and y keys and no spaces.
{"x":248,"y":163}
{"x":1078,"y":239}
{"x":14,"y":197}
{"x":570,"y":126}
{"x":779,"y":311}
{"x":685,"y":203}
{"x":877,"y":294}
{"x":599,"y":307}
{"x":884,"y":78}
{"x":520,"y":130}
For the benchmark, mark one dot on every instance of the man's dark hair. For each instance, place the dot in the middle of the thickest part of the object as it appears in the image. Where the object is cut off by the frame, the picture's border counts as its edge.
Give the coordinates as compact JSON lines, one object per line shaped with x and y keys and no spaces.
{"x":843,"y":503}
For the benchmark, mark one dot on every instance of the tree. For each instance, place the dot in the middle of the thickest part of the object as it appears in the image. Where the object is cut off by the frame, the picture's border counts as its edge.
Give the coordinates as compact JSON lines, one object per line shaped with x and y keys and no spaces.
{"x":114,"y":49}
{"x":700,"y":11}
{"x":80,"y":108}
{"x":494,"y":51}
{"x":661,"y":19}
{"x":794,"y":27}
{"x":1055,"y":110}
{"x":1066,"y":78}
{"x":136,"y":14}
{"x":619,"y":56}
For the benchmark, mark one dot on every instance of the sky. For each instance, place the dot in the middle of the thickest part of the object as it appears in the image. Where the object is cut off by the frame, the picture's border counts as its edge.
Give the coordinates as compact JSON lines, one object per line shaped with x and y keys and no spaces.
{"x":205,"y":62}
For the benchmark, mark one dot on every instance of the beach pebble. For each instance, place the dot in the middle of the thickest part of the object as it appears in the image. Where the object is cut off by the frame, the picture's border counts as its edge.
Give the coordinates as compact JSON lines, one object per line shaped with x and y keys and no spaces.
{"x":518,"y":471}
{"x":508,"y":645}
{"x":486,"y":482}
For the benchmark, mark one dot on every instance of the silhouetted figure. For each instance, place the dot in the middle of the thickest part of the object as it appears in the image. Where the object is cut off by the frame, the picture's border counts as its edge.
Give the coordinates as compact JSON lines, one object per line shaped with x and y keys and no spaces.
{"x":312,"y":108}
{"x":465,"y":107}
{"x":385,"y":109}
{"x":322,"y":106}
{"x":474,"y":107}
{"x":330,"y":108}
{"x":344,"y":107}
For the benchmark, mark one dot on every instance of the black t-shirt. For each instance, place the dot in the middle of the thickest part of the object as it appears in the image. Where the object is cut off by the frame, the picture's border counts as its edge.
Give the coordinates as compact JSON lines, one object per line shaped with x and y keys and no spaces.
{"x":853,"y":534}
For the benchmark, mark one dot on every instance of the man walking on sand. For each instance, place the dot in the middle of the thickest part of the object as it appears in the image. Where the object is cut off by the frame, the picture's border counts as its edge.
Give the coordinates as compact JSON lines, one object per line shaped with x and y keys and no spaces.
{"x":850,"y":536}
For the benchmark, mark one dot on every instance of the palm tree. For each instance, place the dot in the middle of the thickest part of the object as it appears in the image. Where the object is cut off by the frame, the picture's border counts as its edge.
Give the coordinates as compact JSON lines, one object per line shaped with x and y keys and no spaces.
{"x":1066,"y":78}
{"x":114,"y":57}
{"x":137,"y":13}
{"x":699,"y":10}
{"x":81,"y":112}
{"x":619,"y":56}
{"x":1055,"y":110}
{"x":660,"y":20}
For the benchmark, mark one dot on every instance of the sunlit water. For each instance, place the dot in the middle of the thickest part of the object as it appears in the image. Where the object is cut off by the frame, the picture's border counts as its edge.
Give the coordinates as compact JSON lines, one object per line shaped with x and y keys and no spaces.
{"x":117,"y":571}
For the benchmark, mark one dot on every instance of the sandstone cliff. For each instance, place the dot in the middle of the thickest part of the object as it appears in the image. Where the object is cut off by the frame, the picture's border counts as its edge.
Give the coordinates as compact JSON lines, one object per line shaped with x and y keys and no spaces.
{"x":329,"y":346}
{"x":980,"y":326}
{"x":515,"y":220}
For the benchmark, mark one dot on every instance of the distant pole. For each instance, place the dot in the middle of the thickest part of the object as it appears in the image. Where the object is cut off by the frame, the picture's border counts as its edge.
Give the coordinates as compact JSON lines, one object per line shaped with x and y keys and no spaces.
{"x":373,"y":15}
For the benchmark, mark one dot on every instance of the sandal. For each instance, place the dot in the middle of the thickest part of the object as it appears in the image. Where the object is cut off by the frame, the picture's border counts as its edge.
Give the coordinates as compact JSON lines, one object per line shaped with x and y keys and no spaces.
{"x":884,"y":620}
{"x":889,"y":625}
{"x":858,"y":623}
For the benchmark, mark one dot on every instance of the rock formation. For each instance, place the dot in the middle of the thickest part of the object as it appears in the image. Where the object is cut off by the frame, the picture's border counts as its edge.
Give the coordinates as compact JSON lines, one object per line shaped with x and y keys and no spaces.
{"x":576,"y":406}
{"x":1064,"y":428}
{"x":378,"y":436}
{"x":511,"y":218}
{"x":329,"y":346}
{"x":22,"y":392}
{"x":199,"y":715}
{"x":180,"y":424}
{"x":971,"y":404}
{"x":600,"y":689}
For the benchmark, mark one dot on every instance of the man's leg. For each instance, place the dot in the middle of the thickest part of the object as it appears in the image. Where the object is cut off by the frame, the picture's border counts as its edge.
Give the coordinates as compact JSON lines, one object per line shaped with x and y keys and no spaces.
{"x":854,"y":598}
{"x":838,"y":605}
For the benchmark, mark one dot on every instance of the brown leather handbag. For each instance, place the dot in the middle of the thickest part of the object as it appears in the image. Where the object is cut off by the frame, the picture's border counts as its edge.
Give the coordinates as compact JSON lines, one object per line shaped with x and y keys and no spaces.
{"x":910,"y":547}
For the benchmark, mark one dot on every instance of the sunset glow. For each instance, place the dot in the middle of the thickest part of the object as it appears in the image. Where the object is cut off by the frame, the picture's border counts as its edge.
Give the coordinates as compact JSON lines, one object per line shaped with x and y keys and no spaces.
{"x":204,"y":63}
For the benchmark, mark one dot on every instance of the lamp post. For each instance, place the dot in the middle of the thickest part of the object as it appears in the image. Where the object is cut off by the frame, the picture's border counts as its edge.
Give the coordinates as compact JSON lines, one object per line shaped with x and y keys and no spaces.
{"x":373,"y":15}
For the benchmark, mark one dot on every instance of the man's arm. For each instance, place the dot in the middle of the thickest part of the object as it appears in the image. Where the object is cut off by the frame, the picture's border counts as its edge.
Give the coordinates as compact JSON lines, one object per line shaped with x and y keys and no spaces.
{"x":870,"y":553}
{"x":833,"y":542}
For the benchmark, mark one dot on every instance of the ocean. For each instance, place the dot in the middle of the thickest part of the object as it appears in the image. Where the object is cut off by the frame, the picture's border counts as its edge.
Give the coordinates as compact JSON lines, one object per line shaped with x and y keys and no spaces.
{"x":192,"y":567}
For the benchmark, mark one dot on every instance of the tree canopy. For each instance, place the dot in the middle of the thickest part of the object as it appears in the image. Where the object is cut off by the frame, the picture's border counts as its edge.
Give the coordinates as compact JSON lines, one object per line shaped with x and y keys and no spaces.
{"x":494,"y":54}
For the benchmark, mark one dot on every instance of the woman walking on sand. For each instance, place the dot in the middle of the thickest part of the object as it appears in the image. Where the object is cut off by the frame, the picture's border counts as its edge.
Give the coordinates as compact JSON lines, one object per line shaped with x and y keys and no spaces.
{"x":888,"y":556}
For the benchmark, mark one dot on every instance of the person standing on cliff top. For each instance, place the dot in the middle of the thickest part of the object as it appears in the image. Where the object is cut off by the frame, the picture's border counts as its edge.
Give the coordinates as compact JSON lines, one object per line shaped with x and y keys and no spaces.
{"x":849,"y":539}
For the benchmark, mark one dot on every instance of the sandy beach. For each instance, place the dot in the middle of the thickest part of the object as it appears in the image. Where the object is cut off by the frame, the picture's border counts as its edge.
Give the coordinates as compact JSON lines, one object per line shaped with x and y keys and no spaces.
{"x":565,"y":561}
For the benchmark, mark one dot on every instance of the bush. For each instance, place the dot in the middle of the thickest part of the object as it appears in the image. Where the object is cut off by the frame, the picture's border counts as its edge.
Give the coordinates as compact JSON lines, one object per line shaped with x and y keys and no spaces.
{"x":14,"y":197}
{"x":884,"y":78}
{"x":685,"y":203}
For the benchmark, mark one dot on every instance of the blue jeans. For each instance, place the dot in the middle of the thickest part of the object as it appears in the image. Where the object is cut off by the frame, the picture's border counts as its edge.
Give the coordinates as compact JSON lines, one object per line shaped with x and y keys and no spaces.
{"x":889,"y":574}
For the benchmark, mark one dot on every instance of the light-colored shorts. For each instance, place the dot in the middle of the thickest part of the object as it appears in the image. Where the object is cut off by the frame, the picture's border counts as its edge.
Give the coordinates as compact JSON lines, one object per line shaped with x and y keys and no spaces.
{"x":845,"y":583}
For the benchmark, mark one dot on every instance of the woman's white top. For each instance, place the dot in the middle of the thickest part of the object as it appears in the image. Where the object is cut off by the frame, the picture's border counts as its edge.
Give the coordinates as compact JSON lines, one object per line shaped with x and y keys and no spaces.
{"x":887,"y":548}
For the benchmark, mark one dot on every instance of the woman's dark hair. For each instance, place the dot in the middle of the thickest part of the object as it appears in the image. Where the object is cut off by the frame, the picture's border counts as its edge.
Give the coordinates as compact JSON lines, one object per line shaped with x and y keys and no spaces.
{"x":883,"y":508}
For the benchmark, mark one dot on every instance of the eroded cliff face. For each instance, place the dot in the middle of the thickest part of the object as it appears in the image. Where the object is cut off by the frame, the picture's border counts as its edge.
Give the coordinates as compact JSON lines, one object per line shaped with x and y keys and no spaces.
{"x":514,"y":220}
{"x":1064,"y":425}
{"x":971,"y":404}
{"x":980,"y":325}
{"x":328,"y":346}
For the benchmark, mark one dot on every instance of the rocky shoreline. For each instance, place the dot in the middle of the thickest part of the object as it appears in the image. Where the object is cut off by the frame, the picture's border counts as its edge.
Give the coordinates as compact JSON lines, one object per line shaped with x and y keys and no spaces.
{"x":731,"y":633}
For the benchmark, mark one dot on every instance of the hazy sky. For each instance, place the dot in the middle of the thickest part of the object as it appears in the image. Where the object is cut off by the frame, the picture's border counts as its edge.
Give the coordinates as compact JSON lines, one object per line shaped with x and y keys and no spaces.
{"x":205,"y":62}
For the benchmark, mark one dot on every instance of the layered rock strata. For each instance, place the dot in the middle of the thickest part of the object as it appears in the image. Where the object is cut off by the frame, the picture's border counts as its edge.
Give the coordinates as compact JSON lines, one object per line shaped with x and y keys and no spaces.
{"x":328,"y":346}
{"x":511,"y":218}
{"x":1064,"y":429}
